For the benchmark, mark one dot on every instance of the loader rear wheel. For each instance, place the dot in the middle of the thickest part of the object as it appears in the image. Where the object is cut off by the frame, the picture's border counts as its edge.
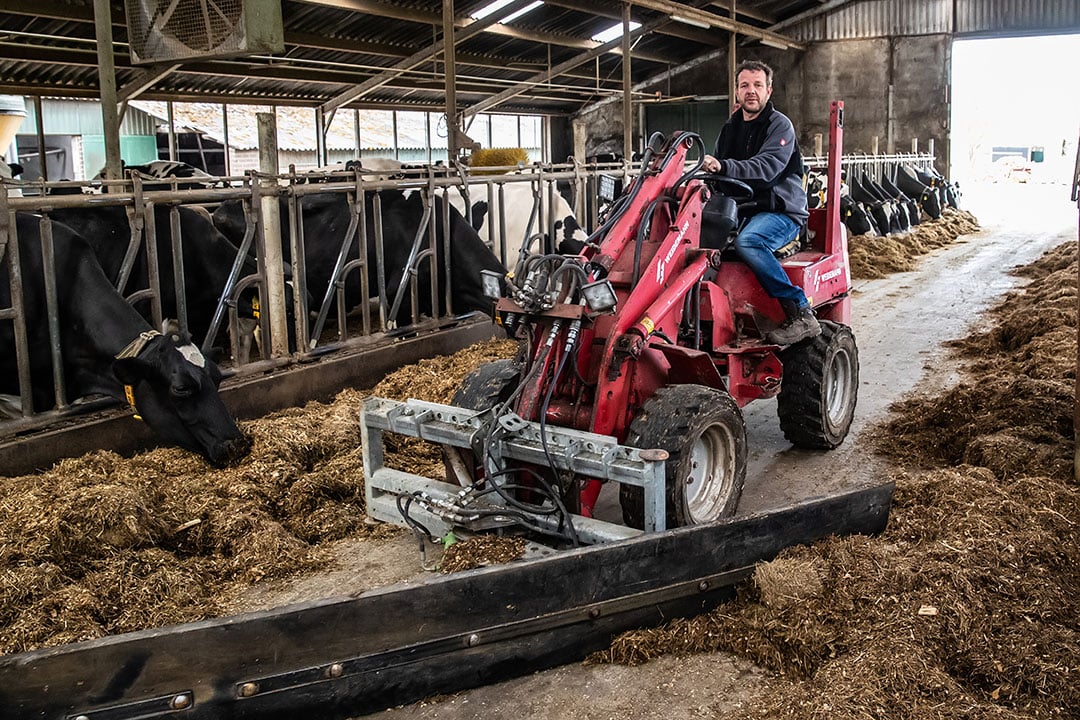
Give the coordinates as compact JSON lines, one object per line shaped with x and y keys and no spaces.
{"x":703,"y":431}
{"x":820,"y":388}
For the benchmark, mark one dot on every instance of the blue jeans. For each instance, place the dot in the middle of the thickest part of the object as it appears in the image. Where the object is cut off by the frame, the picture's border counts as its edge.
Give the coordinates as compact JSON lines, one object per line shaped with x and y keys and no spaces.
{"x":762,"y":234}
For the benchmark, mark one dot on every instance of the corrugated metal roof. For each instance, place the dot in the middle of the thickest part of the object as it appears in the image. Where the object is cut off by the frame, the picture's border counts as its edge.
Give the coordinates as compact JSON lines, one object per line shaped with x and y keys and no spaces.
{"x":880,"y":18}
{"x":49,"y":47}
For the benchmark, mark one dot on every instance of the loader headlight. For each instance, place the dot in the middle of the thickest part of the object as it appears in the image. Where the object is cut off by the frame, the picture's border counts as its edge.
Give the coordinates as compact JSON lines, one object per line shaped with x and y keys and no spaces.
{"x":599,"y":296}
{"x":491,"y":282}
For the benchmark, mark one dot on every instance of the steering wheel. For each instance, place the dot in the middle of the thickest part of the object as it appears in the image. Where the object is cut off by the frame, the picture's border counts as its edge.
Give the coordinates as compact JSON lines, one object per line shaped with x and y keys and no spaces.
{"x":733,"y":188}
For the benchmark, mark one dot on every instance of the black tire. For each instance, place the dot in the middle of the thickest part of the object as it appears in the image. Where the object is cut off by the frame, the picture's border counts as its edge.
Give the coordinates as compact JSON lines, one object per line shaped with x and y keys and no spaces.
{"x":819,"y":388}
{"x":485,"y":387}
{"x":693,"y":423}
{"x":489,"y":385}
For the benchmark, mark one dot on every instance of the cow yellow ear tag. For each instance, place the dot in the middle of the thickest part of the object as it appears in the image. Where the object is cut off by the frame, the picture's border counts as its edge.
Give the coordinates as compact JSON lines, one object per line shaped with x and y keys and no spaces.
{"x":129,"y":393}
{"x":255,"y":307}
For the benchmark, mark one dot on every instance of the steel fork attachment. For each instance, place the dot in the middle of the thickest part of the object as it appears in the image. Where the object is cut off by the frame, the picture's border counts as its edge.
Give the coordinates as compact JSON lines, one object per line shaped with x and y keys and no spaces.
{"x":442,"y":506}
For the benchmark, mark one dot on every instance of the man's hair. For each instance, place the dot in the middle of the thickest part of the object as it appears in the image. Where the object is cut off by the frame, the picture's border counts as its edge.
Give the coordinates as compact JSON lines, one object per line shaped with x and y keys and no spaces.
{"x":755,"y":66}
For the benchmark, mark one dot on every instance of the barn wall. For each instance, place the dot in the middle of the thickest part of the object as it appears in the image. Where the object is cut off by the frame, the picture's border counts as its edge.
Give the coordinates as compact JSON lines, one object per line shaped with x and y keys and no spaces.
{"x":859,"y":72}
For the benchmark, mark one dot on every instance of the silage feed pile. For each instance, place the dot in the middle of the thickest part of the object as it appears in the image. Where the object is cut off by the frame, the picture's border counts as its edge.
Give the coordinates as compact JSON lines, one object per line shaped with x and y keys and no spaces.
{"x":100,"y":545}
{"x":874,"y":256}
{"x":968,"y":605}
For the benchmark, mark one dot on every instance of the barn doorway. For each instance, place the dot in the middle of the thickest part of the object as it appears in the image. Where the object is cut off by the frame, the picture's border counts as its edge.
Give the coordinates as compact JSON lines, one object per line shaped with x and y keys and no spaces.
{"x":1015,"y":109}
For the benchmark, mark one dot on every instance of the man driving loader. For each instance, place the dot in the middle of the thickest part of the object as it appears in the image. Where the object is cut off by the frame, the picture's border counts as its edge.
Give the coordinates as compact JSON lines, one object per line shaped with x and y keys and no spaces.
{"x":758,"y":146}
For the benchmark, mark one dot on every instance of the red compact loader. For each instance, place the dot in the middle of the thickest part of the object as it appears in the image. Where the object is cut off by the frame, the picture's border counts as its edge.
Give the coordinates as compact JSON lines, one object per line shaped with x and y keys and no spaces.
{"x":651,"y":339}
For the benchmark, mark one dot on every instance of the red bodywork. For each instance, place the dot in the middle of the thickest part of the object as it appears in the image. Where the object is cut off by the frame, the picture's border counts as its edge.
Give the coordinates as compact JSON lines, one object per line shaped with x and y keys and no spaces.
{"x":650,"y":341}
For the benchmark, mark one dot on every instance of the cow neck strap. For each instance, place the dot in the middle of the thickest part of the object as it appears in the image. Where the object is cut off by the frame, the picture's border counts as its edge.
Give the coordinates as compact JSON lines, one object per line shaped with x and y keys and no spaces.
{"x":133,"y":349}
{"x":137,"y":345}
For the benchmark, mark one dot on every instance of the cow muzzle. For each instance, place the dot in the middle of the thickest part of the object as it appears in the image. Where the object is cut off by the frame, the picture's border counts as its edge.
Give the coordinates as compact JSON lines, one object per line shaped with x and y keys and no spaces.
{"x":230,"y":452}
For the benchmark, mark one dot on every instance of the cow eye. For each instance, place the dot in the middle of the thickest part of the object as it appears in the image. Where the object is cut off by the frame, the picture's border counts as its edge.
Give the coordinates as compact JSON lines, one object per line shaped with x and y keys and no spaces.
{"x":182,"y":390}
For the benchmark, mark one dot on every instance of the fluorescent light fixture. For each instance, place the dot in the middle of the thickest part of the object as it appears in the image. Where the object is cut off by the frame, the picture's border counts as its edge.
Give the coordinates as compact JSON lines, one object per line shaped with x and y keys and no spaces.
{"x":499,"y":5}
{"x":613,"y":32}
{"x":773,"y":44}
{"x":688,"y":21}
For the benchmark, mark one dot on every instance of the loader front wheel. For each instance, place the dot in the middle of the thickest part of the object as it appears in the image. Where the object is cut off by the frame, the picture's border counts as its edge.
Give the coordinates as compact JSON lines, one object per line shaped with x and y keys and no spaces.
{"x":486,"y":387}
{"x":489,"y":385}
{"x":819,"y":388}
{"x":703,"y":431}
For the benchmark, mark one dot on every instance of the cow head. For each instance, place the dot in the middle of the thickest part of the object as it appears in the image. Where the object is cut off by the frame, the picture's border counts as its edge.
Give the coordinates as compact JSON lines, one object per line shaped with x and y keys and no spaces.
{"x":174,"y":390}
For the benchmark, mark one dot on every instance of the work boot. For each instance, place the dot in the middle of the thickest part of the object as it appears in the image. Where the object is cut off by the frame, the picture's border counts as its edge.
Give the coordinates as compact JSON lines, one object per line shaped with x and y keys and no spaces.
{"x":801,"y":324}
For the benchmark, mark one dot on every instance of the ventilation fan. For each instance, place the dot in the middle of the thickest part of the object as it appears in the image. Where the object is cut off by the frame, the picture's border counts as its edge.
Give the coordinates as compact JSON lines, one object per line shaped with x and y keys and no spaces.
{"x":171,"y":30}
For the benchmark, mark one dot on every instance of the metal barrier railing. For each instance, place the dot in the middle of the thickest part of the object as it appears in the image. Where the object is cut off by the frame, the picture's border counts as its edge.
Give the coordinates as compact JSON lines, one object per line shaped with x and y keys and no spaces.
{"x":153,"y":209}
{"x":875,"y":166}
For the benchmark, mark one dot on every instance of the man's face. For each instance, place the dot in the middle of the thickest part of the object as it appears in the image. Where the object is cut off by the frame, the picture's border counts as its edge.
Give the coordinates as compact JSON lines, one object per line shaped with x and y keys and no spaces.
{"x":752,"y":91}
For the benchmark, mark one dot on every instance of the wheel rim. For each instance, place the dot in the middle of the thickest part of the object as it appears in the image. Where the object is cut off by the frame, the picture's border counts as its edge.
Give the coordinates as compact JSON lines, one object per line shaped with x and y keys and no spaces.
{"x":711,"y":475}
{"x":838,"y":387}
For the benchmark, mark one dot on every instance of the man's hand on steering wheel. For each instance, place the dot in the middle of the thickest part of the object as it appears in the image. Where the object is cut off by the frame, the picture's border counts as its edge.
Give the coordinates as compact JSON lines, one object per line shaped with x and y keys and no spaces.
{"x":711,"y":164}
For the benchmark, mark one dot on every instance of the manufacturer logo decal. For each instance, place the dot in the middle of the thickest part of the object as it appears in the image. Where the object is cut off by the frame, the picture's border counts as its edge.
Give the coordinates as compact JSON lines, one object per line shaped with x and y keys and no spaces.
{"x":662,"y":265}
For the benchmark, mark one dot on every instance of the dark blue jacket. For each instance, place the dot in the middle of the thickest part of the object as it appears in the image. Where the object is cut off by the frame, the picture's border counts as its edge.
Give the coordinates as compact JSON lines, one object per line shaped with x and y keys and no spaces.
{"x":769,"y":161}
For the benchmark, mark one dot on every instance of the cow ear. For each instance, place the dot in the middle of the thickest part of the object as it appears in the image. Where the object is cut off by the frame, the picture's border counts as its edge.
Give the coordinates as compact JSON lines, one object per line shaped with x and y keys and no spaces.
{"x":130,"y":371}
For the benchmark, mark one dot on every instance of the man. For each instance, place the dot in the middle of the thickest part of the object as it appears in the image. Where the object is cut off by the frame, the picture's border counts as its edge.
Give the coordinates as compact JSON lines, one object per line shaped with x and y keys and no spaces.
{"x":757,"y":145}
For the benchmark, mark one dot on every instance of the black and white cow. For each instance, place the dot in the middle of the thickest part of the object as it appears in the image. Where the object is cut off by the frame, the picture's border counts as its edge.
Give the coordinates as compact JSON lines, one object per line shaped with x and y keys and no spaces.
{"x":519,"y":199}
{"x":108,"y":349}
{"x":928,"y":197}
{"x":167,"y":170}
{"x":326,"y":219}
{"x":208,"y":257}
{"x":522,"y":217}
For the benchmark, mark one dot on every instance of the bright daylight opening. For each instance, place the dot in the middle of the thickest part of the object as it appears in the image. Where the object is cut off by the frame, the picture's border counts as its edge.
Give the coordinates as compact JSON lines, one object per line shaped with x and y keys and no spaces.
{"x":1015,"y":109}
{"x":613,"y":32}
{"x":1015,"y":122}
{"x":500,"y":4}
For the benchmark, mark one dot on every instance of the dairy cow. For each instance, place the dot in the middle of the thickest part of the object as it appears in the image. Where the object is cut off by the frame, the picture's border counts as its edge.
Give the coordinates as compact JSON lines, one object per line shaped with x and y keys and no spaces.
{"x":168,"y":170}
{"x":928,"y":199}
{"x":326,"y":219}
{"x":208,"y":258}
{"x":522,"y":217}
{"x":108,"y":349}
{"x":521,"y":222}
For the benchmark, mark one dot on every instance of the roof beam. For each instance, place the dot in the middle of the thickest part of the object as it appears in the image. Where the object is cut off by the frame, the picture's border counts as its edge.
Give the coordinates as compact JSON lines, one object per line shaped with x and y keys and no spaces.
{"x":386,"y":10}
{"x":358,"y":91}
{"x":745,"y":12}
{"x":144,"y":79}
{"x":670,"y":8}
{"x":558,"y":69}
{"x":655,"y":79}
{"x":316,"y":77}
{"x":349,"y":45}
{"x":673,"y":29}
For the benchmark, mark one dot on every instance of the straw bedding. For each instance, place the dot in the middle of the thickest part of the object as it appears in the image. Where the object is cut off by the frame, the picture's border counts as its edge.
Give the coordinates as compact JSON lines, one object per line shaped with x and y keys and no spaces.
{"x":875,"y":256}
